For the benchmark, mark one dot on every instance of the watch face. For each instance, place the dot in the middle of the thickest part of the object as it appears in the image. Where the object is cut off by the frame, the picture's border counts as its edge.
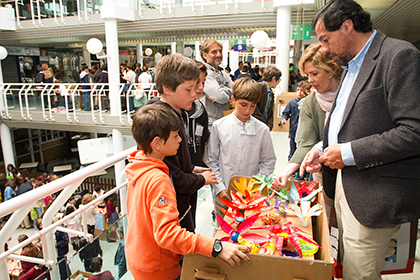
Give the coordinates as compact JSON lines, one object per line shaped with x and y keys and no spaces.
{"x":218,"y":247}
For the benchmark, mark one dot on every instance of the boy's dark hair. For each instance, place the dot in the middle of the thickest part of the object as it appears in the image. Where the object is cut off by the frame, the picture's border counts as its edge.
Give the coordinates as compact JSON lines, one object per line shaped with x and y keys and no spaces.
{"x":305,"y":85}
{"x":96,"y":264}
{"x":104,"y":67}
{"x":201,"y":66}
{"x":300,"y":84}
{"x":246,"y":88}
{"x":245,"y":68}
{"x":152,"y":121}
{"x":205,"y":47}
{"x":270,"y":72}
{"x":84,"y":67}
{"x":174,"y":69}
{"x":335,"y":12}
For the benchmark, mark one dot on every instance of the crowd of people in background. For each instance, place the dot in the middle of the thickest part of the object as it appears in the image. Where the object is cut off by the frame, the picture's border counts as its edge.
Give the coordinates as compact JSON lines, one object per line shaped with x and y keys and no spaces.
{"x":14,"y":184}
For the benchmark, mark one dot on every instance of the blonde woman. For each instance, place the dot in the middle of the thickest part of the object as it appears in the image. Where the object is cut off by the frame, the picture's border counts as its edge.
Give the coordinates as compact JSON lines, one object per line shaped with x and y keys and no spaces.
{"x":324,"y":74}
{"x":90,"y":213}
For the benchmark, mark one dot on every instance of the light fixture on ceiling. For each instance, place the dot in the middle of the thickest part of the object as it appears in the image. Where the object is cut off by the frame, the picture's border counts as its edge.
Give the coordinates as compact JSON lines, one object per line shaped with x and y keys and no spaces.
{"x":3,"y":53}
{"x":94,"y":46}
{"x":259,"y":39}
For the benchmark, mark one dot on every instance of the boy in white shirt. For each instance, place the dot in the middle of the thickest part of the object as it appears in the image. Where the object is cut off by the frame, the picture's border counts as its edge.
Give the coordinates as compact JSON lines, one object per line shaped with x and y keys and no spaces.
{"x":240,"y":144}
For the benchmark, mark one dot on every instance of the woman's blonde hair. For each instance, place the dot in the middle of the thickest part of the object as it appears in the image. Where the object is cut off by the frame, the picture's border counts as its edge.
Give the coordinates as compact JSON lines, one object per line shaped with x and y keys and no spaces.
{"x":49,"y":73}
{"x":313,"y":54}
{"x":87,"y":198}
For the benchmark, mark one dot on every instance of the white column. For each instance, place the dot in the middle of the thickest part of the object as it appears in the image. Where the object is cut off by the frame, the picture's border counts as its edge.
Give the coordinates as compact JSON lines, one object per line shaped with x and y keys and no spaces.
{"x":118,"y":143}
{"x":225,"y":51}
{"x":197,"y":51}
{"x":173,"y":47}
{"x":7,"y":146}
{"x":233,"y":61}
{"x":283,"y":45}
{"x":111,"y":37}
{"x":1,"y":74}
{"x":139,"y":49}
{"x":86,"y":56}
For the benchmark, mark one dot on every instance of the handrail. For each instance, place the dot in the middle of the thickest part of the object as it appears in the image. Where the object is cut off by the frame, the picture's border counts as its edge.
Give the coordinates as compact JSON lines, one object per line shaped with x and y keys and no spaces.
{"x":23,"y":204}
{"x":164,"y":7}
{"x":41,"y":95}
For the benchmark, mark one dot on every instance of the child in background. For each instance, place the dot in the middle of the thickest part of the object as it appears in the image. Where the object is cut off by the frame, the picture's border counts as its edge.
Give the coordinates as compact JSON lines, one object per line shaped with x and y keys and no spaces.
{"x":176,"y":79}
{"x":292,"y":112}
{"x":119,"y":258}
{"x":198,"y":132}
{"x":154,"y":237}
{"x":96,"y":265}
{"x":264,"y":110}
{"x":240,"y":144}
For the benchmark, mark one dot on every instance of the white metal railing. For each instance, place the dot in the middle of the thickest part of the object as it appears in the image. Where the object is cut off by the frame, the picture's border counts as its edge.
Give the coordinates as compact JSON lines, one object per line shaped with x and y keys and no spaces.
{"x":38,"y":9}
{"x":67,"y":98}
{"x":21,"y":205}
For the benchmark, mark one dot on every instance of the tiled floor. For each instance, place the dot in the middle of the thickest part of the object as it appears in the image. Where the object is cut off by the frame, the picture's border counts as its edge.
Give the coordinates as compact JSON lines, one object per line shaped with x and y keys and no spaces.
{"x":204,"y":223}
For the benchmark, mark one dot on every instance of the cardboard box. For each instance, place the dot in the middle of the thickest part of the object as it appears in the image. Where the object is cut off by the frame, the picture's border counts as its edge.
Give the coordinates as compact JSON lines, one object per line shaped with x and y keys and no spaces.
{"x":85,"y":274}
{"x":268,"y":267}
{"x":279,"y":105}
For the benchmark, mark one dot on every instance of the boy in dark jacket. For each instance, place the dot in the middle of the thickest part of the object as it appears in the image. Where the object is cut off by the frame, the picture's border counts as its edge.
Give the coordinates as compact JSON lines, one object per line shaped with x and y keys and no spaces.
{"x":198,"y":131}
{"x":176,"y":80}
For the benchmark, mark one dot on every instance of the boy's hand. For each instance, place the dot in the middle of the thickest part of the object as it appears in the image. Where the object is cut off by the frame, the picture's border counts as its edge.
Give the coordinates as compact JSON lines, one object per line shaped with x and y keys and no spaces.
{"x":210,"y":178}
{"x":224,"y":194}
{"x":199,"y":169}
{"x":283,"y":122}
{"x":233,"y":253}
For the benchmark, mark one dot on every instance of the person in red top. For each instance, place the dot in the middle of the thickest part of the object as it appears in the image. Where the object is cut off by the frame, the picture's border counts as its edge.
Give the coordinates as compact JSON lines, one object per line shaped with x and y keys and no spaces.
{"x":112,"y":216}
{"x":29,"y":250}
{"x":154,"y":237}
{"x":36,"y":271}
{"x":96,"y":265}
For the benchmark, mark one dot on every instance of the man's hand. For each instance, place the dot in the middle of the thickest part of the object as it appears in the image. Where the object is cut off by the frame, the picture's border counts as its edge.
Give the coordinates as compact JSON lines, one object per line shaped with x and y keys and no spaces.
{"x":332,"y":157}
{"x":283,"y":122}
{"x":311,"y":162}
{"x":233,"y":253}
{"x":200,"y":169}
{"x":209,"y":177}
{"x":224,"y":194}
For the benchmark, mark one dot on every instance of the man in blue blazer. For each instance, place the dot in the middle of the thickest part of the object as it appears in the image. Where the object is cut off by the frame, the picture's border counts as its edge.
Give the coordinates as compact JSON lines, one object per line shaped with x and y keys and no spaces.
{"x":370,"y":156}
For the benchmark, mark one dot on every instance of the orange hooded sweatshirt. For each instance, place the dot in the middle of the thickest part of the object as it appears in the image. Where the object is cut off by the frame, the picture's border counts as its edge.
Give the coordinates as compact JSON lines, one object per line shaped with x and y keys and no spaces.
{"x":154,"y":238}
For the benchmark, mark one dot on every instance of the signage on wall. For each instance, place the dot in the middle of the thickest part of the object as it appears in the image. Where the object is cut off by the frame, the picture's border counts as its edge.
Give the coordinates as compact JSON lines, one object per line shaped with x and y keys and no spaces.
{"x":239,"y":45}
{"x":23,"y":51}
{"x":301,"y":31}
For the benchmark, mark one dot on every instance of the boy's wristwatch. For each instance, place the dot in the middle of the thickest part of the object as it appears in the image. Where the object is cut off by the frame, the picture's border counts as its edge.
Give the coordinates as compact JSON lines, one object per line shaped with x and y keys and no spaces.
{"x":217,"y":248}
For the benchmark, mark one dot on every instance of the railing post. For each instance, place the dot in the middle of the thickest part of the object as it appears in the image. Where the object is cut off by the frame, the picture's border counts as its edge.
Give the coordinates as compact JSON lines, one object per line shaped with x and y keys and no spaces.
{"x":118,"y":143}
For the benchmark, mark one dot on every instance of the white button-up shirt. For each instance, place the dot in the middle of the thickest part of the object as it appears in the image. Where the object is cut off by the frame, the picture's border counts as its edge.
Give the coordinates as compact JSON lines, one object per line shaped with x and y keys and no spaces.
{"x":235,"y":148}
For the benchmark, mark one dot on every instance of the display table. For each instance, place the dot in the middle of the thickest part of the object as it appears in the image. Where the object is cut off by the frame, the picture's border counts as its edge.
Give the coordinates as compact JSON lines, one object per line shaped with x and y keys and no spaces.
{"x":318,"y":267}
{"x":101,"y":223}
{"x":14,"y":268}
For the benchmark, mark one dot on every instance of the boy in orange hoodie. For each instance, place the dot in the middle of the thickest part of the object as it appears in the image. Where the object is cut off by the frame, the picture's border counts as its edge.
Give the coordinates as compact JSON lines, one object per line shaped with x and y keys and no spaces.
{"x":154,"y":237}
